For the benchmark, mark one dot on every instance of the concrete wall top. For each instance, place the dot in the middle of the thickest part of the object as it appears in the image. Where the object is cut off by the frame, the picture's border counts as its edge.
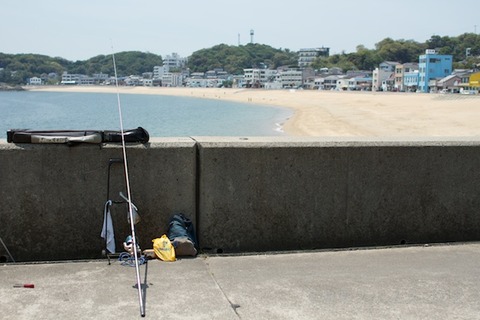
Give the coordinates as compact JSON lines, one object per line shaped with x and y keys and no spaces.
{"x":284,"y":141}
{"x":291,"y":141}
{"x":161,"y":142}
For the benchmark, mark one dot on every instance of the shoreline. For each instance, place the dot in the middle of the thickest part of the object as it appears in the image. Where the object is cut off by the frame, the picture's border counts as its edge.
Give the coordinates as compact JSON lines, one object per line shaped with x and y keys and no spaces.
{"x":335,"y":113}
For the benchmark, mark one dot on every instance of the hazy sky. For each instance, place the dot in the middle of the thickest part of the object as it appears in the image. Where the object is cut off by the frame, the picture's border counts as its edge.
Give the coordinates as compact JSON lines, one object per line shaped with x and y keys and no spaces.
{"x":78,"y":30}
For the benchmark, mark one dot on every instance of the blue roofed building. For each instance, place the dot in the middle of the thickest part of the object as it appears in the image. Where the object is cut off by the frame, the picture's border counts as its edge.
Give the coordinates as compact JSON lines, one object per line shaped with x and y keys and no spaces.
{"x":432,"y":66}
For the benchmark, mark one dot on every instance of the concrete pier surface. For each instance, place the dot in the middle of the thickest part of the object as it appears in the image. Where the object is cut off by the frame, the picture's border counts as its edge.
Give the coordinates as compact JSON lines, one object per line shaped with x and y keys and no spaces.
{"x":416,"y":282}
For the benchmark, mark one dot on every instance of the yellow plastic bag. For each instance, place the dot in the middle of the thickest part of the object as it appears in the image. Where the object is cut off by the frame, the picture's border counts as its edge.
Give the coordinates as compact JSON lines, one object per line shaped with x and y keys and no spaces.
{"x":164,"y":249}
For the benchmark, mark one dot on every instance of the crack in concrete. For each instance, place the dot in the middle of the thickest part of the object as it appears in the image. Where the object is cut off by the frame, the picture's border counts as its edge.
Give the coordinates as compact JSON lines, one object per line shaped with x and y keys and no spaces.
{"x":234,"y":306}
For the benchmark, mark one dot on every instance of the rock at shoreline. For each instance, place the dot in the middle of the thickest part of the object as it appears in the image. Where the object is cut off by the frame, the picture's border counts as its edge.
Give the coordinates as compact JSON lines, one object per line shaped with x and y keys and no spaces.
{"x":5,"y":87}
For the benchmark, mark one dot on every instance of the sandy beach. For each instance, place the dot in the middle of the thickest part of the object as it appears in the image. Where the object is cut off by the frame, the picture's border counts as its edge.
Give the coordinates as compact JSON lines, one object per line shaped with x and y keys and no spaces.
{"x":332,"y":113}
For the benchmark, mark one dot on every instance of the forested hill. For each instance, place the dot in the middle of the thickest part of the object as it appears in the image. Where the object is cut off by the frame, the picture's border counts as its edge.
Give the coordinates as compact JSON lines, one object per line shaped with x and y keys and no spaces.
{"x":18,"y":67}
{"x":234,"y":59}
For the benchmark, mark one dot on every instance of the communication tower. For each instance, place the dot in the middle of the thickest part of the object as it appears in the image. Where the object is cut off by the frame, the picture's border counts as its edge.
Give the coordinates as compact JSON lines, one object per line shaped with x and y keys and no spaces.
{"x":251,"y":35}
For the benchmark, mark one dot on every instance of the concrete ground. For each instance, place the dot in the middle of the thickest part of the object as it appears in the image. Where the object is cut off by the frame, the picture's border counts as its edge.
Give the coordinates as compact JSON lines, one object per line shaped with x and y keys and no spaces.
{"x":420,"y":282}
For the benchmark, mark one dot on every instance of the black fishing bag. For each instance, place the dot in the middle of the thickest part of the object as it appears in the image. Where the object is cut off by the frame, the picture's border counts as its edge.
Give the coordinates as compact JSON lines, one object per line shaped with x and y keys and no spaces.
{"x":138,"y":135}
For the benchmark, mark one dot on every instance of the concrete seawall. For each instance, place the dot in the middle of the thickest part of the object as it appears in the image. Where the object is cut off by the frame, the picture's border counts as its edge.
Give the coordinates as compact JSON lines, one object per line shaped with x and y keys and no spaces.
{"x":244,"y":194}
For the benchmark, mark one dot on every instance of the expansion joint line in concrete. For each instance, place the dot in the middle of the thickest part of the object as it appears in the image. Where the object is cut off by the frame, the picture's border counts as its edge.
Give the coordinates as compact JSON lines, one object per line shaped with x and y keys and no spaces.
{"x":197,"y":190}
{"x":234,"y":306}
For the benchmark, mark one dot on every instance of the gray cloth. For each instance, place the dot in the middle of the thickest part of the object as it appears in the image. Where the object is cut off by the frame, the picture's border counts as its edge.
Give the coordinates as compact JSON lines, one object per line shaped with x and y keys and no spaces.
{"x":107,"y":229}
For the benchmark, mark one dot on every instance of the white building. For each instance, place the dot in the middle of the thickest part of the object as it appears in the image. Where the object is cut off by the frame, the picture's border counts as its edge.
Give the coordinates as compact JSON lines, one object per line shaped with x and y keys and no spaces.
{"x":158,"y":72}
{"x":291,"y":78}
{"x":318,"y":83}
{"x":148,"y":82}
{"x":174,"y":61}
{"x":307,"y":56}
{"x":69,"y":78}
{"x":172,"y":79}
{"x":379,"y":77}
{"x":35,"y":81}
{"x":330,"y":82}
{"x":258,"y":77}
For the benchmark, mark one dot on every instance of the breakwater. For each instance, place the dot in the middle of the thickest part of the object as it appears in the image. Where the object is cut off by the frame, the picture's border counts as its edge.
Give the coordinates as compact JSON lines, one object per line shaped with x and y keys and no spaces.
{"x":244,"y":194}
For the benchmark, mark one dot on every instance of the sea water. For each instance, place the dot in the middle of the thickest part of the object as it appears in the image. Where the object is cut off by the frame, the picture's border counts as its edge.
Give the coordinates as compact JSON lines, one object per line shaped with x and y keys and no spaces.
{"x":161,"y":116}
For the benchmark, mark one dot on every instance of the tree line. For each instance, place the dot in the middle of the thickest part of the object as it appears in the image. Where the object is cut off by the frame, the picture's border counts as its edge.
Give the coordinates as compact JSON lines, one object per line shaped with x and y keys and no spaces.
{"x":16,"y":68}
{"x":19,"y":67}
{"x":465,"y":50}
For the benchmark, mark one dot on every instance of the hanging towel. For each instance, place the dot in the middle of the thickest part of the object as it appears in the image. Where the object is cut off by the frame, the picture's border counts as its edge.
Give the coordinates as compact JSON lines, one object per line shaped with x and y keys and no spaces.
{"x":107,"y":230}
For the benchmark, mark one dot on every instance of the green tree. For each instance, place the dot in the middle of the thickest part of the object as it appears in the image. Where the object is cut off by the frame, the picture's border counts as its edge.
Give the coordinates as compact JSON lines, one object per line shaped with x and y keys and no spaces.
{"x":399,"y":50}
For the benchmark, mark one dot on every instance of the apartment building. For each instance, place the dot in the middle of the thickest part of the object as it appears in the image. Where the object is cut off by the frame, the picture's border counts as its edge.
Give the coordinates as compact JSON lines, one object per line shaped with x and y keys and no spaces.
{"x":433,"y":66}
{"x":256,"y":78}
{"x":174,"y":61}
{"x":307,"y":56}
{"x":170,"y":79}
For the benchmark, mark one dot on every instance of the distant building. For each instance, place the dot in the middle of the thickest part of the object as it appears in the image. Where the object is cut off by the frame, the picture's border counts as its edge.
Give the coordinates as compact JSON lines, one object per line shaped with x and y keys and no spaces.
{"x":433,"y":66}
{"x":410,"y":80}
{"x":172,"y":79}
{"x":292,"y":78}
{"x":388,"y":66}
{"x":400,"y":71}
{"x":35,"y":81}
{"x":158,"y":72}
{"x":330,"y":82}
{"x":174,"y":61}
{"x":256,"y":78}
{"x":360,"y":83}
{"x":148,"y":82}
{"x":449,"y":84}
{"x":383,"y":77}
{"x":474,"y":81}
{"x":100,"y":77}
{"x":307,"y":56}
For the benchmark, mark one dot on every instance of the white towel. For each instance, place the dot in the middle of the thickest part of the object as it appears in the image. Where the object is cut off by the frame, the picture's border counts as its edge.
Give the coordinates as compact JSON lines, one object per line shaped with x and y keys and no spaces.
{"x":107,"y":229}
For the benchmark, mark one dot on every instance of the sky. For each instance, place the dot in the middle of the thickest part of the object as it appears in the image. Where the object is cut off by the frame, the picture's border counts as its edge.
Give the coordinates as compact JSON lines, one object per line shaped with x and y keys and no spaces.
{"x":79,"y":30}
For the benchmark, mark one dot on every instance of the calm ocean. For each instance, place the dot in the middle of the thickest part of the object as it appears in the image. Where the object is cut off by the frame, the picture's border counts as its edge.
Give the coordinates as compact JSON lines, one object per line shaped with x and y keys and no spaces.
{"x":161,"y":116}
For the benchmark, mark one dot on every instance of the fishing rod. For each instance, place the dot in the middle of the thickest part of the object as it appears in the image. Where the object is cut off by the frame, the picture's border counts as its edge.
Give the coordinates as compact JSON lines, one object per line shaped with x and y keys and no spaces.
{"x":129,"y":197}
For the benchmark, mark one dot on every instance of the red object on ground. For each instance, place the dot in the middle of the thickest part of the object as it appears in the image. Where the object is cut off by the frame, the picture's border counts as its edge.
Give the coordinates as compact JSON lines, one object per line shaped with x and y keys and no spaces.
{"x":26,"y":285}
